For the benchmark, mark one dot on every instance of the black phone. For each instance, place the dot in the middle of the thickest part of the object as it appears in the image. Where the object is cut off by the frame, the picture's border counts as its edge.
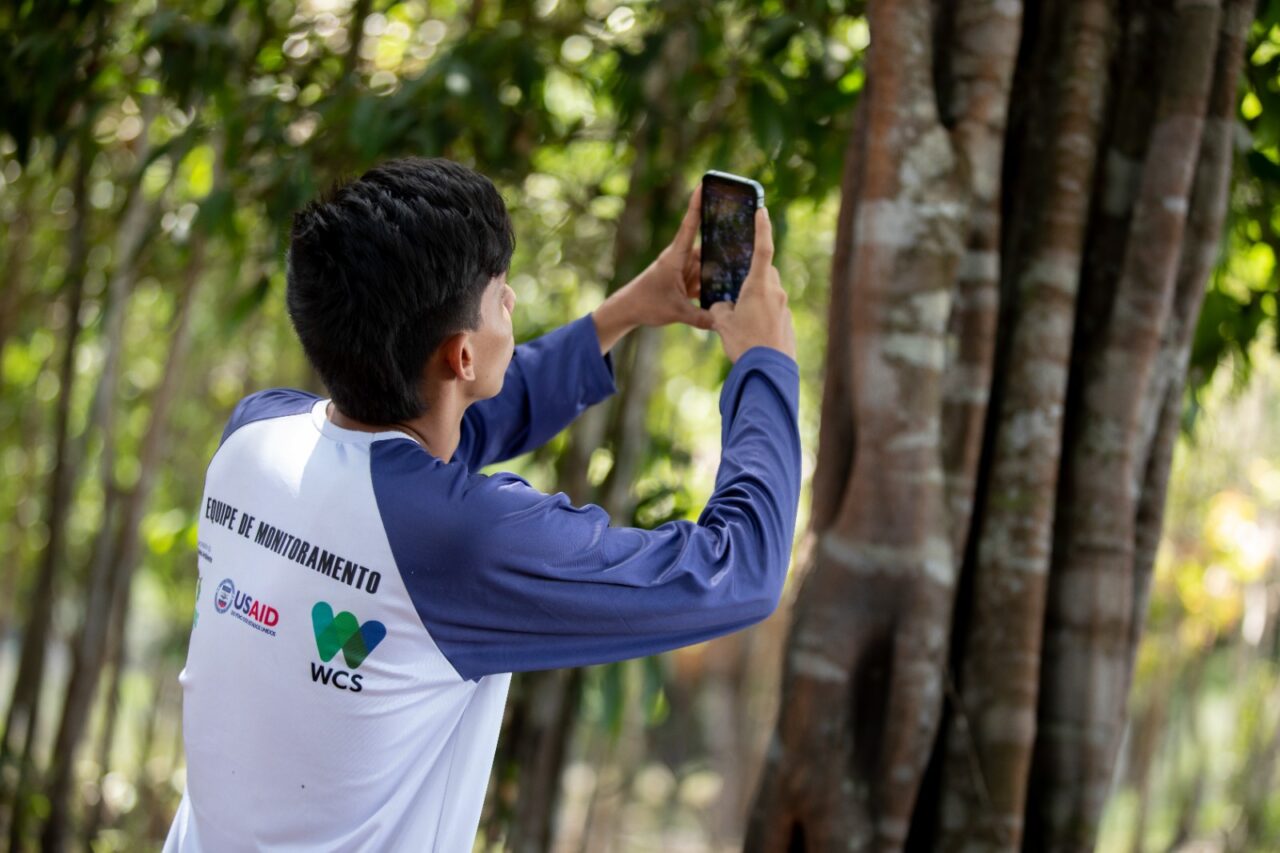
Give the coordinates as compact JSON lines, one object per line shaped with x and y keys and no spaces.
{"x":729,"y":204}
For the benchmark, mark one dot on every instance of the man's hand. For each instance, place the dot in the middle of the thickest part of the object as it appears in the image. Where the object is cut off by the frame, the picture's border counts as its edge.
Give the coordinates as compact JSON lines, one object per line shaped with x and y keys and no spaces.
{"x":761,"y":316}
{"x":660,"y":295}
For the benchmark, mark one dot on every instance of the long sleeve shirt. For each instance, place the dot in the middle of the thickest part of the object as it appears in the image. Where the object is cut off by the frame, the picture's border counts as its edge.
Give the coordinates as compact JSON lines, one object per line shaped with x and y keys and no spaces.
{"x":362,"y":603}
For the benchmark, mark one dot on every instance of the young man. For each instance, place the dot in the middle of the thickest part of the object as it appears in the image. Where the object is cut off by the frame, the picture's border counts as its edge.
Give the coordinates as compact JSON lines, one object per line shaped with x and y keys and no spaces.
{"x":364,"y":594}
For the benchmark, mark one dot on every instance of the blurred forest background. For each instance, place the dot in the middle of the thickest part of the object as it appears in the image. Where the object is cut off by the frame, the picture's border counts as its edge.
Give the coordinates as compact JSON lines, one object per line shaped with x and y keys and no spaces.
{"x":150,"y":158}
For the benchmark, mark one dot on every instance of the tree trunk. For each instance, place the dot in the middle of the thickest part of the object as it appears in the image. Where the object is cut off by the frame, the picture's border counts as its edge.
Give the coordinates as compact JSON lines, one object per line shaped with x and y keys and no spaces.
{"x":535,"y":756}
{"x":112,"y":594}
{"x":17,"y":252}
{"x":991,"y":727}
{"x":115,"y":665}
{"x":1010,"y":475}
{"x":23,"y":716}
{"x":544,"y":705}
{"x":1089,"y":620}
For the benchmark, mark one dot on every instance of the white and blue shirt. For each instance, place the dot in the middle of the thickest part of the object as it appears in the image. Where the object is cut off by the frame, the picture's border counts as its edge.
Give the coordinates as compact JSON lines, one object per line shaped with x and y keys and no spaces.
{"x":362,"y":603}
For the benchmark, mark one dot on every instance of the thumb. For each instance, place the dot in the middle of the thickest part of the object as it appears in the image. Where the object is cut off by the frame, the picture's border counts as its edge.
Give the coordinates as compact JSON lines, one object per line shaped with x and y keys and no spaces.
{"x":762,"y":249}
{"x":761,"y":253}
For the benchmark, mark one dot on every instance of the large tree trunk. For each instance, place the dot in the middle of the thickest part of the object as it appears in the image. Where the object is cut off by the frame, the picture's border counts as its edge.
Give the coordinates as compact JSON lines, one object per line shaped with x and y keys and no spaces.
{"x":1096,"y":593}
{"x":864,"y":668}
{"x":988,"y":495}
{"x":991,"y":728}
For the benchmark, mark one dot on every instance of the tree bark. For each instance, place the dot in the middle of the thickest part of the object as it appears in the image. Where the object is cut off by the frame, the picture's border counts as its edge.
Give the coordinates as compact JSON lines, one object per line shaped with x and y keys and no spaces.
{"x":23,"y":716}
{"x":18,"y":248}
{"x":992,"y":727}
{"x":1084,"y":675}
{"x":1206,"y":218}
{"x":977,"y":73}
{"x":864,"y":670}
{"x":1051,"y":411}
{"x":113,"y":594}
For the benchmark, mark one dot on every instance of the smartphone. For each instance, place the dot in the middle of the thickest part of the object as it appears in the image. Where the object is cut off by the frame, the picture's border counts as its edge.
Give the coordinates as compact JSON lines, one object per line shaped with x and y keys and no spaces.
{"x":729,"y":204}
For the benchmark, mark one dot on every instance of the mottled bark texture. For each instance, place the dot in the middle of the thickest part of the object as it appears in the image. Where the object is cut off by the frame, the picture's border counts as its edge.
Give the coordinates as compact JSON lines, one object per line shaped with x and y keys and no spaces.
{"x":1085,"y":670}
{"x":1033,"y":200}
{"x":992,"y":728}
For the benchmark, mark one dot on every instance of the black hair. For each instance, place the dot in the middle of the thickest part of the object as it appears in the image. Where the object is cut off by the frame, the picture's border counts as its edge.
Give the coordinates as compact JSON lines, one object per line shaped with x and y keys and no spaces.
{"x":381,"y":270}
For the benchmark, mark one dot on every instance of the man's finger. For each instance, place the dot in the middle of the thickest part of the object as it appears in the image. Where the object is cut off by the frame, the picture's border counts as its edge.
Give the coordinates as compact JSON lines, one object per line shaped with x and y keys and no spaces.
{"x":693,"y":274}
{"x":763,"y":248}
{"x":689,"y":225}
{"x":761,"y":253}
{"x":696,"y":317}
{"x":694,"y":261}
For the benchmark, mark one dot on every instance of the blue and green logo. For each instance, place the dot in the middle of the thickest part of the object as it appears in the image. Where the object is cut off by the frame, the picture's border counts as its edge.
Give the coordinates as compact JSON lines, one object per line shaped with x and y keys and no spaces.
{"x":344,"y":632}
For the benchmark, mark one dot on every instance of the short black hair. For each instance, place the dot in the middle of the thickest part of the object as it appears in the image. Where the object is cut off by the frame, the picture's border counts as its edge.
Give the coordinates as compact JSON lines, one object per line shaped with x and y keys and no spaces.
{"x":382,"y":269}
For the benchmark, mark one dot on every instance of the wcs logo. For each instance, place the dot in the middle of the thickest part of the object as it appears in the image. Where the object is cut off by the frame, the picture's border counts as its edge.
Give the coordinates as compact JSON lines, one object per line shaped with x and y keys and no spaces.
{"x":250,"y":611}
{"x":344,"y":633}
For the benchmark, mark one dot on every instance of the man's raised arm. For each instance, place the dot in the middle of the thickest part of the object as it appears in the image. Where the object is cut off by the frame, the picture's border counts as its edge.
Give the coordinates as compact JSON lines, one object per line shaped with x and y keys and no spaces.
{"x":549,"y":382}
{"x":552,"y":379}
{"x":508,"y":579}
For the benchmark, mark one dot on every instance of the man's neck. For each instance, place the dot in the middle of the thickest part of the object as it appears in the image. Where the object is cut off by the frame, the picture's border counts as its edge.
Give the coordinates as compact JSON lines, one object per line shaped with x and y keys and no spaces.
{"x":438,"y":430}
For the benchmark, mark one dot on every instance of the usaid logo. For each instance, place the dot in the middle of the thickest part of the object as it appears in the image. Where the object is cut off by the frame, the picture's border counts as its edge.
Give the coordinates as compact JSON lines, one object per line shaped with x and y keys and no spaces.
{"x":224,"y":595}
{"x":255,"y":613}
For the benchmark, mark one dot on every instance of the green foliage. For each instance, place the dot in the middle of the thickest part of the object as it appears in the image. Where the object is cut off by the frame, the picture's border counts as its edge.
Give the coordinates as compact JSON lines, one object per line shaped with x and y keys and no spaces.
{"x":204,"y":125}
{"x":51,"y":42}
{"x":1242,"y":298}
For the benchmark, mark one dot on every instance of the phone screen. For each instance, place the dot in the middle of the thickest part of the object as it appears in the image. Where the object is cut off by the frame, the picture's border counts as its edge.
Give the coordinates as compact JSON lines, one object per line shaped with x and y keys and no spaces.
{"x":728,"y":237}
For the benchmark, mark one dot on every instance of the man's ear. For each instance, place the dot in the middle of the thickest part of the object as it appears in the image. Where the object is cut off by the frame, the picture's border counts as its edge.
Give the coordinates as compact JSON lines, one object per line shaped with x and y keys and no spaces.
{"x":459,"y":355}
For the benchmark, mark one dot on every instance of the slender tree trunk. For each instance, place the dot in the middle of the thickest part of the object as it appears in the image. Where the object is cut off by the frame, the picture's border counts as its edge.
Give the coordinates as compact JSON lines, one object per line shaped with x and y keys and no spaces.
{"x":978,"y":45}
{"x":1189,"y":790}
{"x":541,"y":741}
{"x":17,"y":251}
{"x":1146,"y":731}
{"x":88,"y":659}
{"x":544,"y":704}
{"x":115,"y":660}
{"x":1162,"y":410}
{"x":22,"y":719}
{"x":661,"y":140}
{"x":359,"y":12}
{"x":12,"y":551}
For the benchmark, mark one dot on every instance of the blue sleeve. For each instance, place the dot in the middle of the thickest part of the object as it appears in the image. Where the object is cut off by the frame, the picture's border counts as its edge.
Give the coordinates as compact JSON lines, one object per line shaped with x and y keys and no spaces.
{"x":507,"y":578}
{"x":272,"y":403}
{"x":549,"y":382}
